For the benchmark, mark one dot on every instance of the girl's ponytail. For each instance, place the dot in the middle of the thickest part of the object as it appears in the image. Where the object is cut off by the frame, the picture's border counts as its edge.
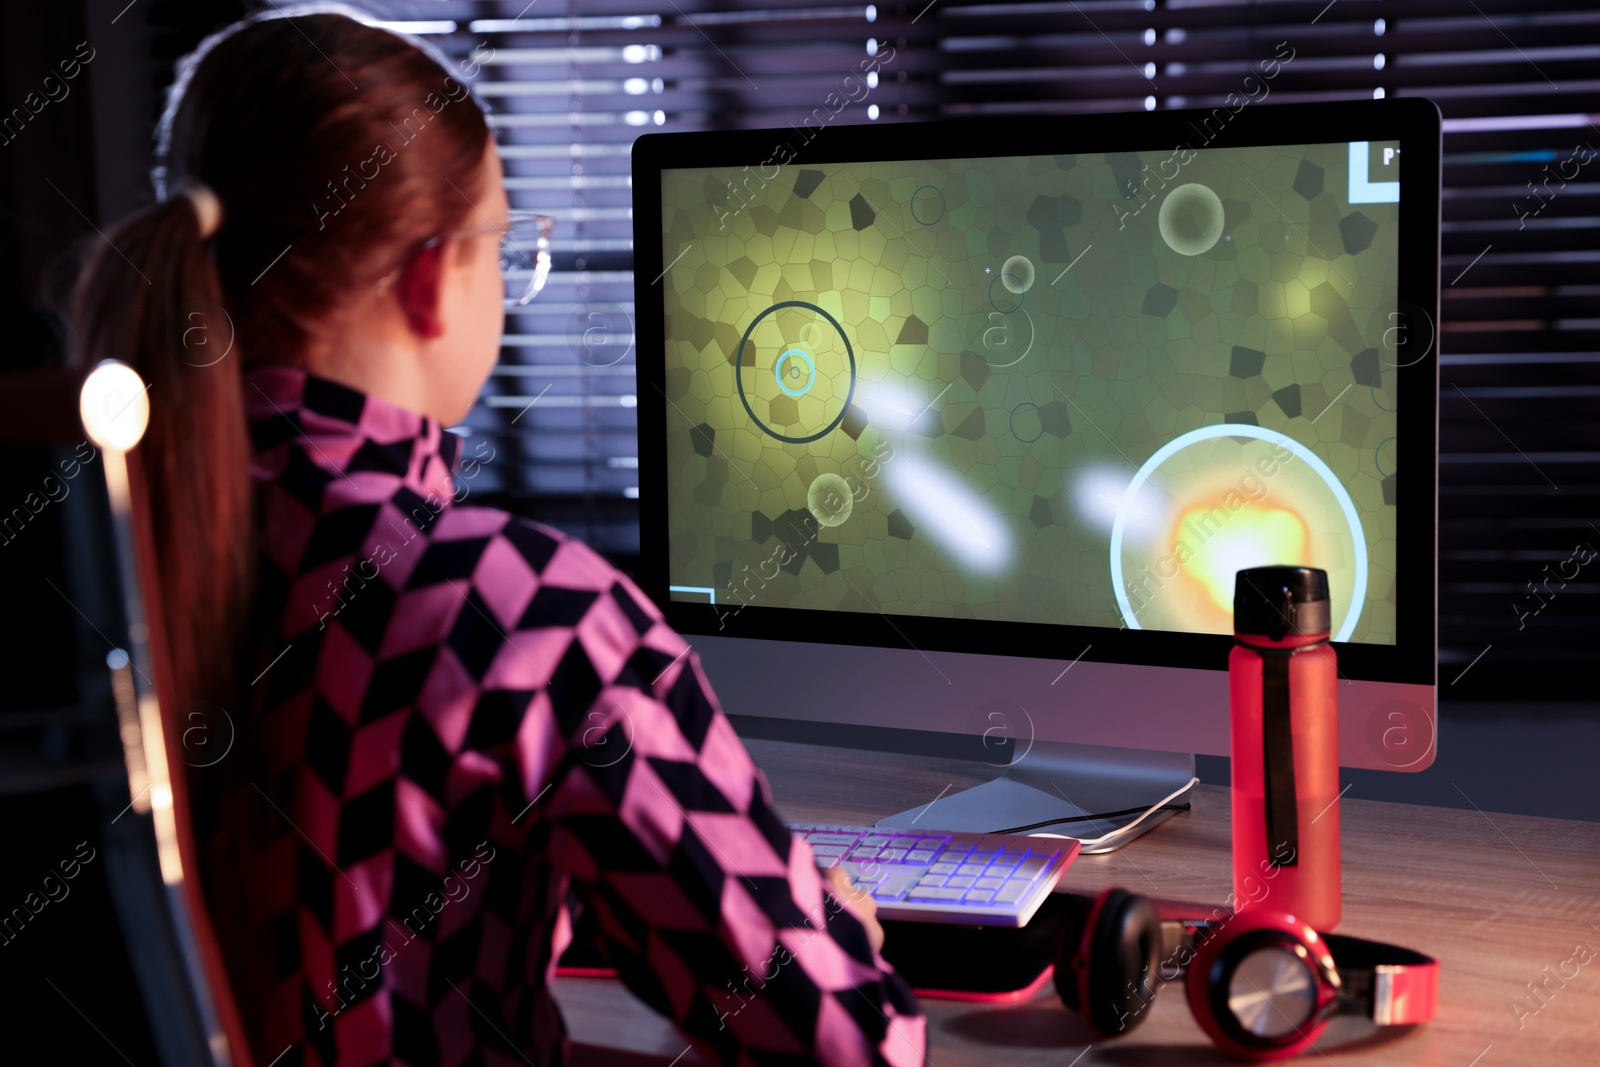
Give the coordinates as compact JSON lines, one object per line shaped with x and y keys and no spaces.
{"x":149,"y":296}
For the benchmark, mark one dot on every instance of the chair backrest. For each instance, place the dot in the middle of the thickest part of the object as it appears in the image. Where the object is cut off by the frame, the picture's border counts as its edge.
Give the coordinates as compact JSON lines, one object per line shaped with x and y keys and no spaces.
{"x":180,"y":866}
{"x":150,"y":732}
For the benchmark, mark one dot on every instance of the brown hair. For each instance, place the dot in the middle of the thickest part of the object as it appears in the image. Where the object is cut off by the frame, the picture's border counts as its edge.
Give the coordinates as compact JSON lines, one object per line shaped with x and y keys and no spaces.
{"x":300,"y":124}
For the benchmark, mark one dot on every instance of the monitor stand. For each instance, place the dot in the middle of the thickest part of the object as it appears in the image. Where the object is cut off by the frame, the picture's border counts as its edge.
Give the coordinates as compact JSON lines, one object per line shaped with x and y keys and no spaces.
{"x":1082,"y":791}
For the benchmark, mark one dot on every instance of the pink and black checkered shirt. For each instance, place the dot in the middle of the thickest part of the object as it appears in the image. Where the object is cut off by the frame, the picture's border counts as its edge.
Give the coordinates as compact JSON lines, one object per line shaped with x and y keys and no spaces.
{"x":465,"y":714}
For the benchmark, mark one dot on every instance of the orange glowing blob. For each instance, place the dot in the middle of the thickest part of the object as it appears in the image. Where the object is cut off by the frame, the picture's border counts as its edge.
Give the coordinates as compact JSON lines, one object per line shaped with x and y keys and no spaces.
{"x":1227,"y":535}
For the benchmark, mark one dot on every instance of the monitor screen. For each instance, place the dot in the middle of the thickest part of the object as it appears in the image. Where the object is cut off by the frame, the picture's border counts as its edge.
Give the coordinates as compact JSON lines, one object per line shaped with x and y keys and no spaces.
{"x":1079,"y":389}
{"x":1025,"y":388}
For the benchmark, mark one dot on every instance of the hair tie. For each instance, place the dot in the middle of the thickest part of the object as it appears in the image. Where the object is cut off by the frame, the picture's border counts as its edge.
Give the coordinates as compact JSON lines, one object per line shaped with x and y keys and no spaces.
{"x":207,"y":208}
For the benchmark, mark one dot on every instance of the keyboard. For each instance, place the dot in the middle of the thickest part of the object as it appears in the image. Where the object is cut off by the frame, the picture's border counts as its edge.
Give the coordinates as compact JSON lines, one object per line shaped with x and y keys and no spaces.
{"x":944,"y":877}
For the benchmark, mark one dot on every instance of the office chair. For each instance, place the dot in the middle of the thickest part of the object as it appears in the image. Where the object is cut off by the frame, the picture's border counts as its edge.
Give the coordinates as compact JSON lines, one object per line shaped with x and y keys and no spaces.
{"x":192,"y":1012}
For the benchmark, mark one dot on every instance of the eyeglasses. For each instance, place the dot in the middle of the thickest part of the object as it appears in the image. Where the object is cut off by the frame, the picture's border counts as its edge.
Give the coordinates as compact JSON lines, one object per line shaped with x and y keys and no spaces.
{"x":524,"y":255}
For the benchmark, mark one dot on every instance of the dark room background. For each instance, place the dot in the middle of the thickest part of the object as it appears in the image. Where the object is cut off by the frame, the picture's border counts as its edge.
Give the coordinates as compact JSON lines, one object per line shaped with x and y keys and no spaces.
{"x":573,"y":82}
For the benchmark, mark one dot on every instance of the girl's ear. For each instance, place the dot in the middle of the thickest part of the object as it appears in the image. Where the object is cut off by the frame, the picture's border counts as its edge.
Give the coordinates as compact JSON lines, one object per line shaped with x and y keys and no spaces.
{"x":421,"y":287}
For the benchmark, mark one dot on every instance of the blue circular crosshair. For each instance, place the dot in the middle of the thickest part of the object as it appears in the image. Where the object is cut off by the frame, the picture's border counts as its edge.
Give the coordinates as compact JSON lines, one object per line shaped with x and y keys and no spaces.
{"x":793,"y":372}
{"x":849,"y":368}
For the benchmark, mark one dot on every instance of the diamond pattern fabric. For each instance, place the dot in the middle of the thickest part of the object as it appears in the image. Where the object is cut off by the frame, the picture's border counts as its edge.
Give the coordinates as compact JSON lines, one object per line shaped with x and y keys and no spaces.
{"x":460,"y":715}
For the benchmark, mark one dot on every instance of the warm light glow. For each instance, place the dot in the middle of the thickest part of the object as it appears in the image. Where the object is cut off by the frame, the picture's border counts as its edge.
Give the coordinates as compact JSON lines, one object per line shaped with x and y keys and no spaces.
{"x":1252,"y":536}
{"x":1266,"y":471}
{"x":114,"y":406}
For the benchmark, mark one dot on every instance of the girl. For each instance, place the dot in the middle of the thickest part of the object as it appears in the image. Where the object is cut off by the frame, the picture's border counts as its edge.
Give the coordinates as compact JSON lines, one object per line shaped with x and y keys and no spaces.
{"x":455,"y":714}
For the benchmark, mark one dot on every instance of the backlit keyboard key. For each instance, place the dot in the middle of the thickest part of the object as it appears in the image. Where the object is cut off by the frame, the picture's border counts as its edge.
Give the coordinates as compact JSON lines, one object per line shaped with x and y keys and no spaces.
{"x":891,"y":855}
{"x":833,"y":839}
{"x":1029,"y":868}
{"x":989,"y":883}
{"x":862,"y":855}
{"x":894,"y":884}
{"x":932,"y":881}
{"x":921,"y":855}
{"x":932,"y":893}
{"x":971,"y":868}
{"x":1011,"y":892}
{"x":878,"y":840}
{"x":978,"y":896}
{"x":942,"y":868}
{"x":981,"y":857}
{"x":903,"y":842}
{"x":1006,"y":860}
{"x":959,"y":882}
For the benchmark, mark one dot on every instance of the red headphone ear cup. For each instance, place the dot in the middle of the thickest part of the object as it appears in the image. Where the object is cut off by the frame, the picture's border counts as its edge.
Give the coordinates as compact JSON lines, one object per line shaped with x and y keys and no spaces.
{"x":1076,"y":911}
{"x":1108,"y":973}
{"x":1220,"y":964}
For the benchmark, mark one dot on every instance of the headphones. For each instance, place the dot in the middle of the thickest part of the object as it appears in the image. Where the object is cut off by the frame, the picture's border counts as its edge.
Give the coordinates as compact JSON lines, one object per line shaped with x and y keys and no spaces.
{"x":1261,"y":984}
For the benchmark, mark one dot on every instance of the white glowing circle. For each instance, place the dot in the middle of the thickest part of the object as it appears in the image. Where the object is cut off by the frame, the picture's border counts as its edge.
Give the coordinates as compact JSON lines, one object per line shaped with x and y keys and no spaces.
{"x":1191,"y":219}
{"x":951,"y":513}
{"x":114,"y":406}
{"x":1358,"y":537}
{"x":1017,"y":274}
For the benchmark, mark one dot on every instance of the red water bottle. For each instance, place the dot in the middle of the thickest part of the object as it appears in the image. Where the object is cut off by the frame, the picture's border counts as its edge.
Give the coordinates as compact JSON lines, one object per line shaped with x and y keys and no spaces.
{"x":1285,"y":724}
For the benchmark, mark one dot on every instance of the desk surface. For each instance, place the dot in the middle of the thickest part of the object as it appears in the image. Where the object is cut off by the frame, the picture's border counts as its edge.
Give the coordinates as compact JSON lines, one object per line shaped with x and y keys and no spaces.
{"x":1497,"y":898}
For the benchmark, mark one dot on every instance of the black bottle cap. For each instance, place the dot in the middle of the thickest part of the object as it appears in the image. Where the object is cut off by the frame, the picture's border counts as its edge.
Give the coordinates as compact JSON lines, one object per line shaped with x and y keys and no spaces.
{"x":1280,"y":602}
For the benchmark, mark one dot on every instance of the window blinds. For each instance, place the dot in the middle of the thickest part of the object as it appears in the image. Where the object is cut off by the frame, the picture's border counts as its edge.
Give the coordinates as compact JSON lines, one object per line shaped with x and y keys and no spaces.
{"x":572,"y":83}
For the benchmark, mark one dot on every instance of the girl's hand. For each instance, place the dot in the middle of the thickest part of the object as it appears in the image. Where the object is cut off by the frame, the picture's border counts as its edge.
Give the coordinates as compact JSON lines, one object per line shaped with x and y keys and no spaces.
{"x":860,"y":903}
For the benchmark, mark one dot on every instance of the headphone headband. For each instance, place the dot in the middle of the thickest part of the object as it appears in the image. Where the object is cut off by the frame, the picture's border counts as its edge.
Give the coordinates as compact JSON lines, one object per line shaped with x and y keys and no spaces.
{"x":1397,"y":986}
{"x":1262,"y":984}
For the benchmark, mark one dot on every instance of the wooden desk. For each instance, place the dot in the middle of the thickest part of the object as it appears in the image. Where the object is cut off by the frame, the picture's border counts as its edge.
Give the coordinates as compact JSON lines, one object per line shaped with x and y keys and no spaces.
{"x":1496,"y":898}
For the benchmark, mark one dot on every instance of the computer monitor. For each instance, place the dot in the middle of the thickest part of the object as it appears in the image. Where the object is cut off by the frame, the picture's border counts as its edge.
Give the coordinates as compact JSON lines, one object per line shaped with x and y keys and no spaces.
{"x":966,"y":427}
